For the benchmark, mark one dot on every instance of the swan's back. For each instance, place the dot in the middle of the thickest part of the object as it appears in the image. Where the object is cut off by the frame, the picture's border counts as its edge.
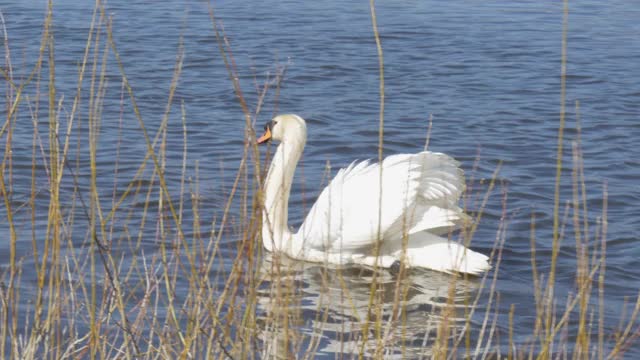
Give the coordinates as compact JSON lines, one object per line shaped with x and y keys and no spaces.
{"x":419,"y":192}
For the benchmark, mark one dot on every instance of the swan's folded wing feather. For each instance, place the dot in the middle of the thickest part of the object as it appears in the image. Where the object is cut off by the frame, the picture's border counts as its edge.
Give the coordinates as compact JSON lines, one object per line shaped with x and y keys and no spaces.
{"x":419,"y":192}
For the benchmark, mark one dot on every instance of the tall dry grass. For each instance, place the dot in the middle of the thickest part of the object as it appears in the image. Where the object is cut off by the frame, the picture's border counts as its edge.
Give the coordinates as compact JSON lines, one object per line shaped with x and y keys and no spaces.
{"x":105,"y":296}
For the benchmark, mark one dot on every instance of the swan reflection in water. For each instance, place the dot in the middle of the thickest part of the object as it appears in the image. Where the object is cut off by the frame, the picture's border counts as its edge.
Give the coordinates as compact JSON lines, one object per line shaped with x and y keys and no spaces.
{"x":306,"y":308}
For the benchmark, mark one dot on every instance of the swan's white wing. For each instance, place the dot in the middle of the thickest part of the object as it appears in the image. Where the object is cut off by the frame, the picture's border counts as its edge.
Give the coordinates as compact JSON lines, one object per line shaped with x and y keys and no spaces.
{"x":419,"y":192}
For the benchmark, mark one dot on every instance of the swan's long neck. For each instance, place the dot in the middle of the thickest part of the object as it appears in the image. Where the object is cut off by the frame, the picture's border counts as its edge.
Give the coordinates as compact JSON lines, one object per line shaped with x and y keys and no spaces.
{"x":275,"y":231}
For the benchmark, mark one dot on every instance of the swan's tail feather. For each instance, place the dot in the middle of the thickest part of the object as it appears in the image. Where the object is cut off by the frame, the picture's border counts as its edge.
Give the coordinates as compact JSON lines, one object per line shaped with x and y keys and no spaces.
{"x":443,"y":258}
{"x":437,"y":253}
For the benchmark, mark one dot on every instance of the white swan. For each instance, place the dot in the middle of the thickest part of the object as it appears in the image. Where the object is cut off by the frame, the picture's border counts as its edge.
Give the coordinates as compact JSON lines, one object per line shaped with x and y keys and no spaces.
{"x":418,"y":202}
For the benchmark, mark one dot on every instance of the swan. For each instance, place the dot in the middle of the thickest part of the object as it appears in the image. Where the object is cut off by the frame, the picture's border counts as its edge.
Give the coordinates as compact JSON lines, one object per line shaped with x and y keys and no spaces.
{"x":365,"y":218}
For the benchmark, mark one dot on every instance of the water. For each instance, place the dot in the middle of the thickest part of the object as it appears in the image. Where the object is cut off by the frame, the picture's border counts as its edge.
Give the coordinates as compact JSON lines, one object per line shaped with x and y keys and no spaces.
{"x":488,"y":73}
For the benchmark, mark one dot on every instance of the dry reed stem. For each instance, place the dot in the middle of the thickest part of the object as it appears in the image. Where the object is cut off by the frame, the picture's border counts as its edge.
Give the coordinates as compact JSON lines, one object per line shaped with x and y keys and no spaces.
{"x":559,"y":155}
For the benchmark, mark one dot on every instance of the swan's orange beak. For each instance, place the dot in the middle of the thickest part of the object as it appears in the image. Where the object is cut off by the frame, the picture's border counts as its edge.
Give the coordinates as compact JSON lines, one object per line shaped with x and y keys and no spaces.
{"x":265,"y":137}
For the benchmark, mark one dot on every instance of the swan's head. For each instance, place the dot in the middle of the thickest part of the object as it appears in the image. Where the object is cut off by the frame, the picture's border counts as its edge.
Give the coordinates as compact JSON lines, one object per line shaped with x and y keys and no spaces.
{"x":285,"y":128}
